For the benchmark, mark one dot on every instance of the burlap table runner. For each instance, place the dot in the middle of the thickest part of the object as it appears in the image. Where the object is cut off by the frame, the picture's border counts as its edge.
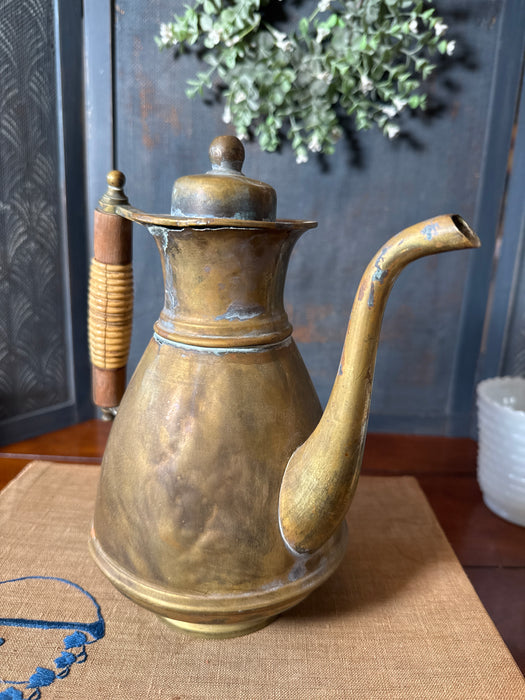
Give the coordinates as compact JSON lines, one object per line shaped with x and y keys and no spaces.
{"x":399,"y":619}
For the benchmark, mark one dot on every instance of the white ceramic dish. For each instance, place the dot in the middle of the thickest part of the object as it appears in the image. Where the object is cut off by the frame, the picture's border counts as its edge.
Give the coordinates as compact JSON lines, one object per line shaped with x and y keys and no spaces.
{"x":501,"y":455}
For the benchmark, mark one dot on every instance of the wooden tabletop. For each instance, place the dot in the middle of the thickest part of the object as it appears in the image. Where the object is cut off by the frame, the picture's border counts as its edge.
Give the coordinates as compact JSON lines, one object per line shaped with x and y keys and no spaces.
{"x":491,"y":550}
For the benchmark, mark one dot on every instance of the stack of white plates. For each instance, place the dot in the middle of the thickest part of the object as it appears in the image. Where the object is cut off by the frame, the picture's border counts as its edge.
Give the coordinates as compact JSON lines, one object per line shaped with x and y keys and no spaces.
{"x":501,"y":455}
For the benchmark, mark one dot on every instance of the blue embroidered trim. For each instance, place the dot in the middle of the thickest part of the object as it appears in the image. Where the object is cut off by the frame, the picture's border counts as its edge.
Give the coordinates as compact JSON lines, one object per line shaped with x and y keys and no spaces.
{"x":43,"y":677}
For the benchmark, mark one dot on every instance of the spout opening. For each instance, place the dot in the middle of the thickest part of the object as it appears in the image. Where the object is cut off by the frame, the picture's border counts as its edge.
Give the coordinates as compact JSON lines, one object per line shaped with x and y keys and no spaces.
{"x":465,"y":230}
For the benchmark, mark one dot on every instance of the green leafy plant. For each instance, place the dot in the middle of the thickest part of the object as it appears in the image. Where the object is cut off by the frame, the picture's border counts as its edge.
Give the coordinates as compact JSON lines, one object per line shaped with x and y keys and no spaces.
{"x":363,"y":59}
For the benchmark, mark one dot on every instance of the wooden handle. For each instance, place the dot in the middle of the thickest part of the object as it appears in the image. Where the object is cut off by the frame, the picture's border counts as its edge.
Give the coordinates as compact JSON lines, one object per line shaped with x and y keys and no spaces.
{"x":110,"y":307}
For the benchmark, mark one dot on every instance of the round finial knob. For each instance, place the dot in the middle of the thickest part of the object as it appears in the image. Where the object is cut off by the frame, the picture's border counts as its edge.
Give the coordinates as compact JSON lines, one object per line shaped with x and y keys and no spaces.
{"x":116,"y":179}
{"x":227,"y":152}
{"x":115,"y":192}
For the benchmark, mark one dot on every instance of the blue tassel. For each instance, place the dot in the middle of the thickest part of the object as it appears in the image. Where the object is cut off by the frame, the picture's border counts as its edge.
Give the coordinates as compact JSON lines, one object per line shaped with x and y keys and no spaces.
{"x":78,"y":639}
{"x":12,"y":694}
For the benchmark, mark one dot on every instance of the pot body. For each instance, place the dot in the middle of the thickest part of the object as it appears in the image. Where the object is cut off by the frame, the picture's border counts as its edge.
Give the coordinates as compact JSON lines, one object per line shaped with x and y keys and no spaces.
{"x":186,"y":521}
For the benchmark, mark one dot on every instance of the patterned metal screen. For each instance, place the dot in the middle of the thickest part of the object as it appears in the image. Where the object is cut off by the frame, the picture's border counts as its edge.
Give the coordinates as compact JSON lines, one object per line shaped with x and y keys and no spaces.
{"x":33,"y":352}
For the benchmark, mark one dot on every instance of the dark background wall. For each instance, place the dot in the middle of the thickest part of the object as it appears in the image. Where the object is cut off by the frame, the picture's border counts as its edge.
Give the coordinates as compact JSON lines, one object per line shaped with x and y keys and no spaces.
{"x":442,"y":329}
{"x":364,"y":194}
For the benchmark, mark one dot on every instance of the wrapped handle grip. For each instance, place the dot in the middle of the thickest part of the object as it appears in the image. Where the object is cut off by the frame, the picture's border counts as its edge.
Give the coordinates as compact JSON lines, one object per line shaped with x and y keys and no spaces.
{"x":110,"y":307}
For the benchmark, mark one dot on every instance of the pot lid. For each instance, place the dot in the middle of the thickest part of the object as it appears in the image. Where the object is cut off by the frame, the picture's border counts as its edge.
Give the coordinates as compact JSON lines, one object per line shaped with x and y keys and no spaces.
{"x":224,"y":192}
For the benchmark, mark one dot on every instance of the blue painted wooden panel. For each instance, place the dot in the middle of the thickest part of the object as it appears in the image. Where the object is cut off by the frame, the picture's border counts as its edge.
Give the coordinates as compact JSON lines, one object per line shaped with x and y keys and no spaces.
{"x":362,"y":196}
{"x":503,"y":347}
{"x":490,"y":214}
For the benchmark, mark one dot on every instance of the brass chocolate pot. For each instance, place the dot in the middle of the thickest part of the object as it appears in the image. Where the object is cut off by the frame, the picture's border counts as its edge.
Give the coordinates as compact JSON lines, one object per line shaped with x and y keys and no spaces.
{"x":224,"y":486}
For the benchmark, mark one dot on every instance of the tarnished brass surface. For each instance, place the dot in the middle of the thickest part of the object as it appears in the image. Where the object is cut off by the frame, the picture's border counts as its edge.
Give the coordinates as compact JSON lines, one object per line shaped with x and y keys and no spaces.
{"x":224,"y":192}
{"x":224,"y":288}
{"x":225,"y":632}
{"x":186,"y":519}
{"x":176,"y":222}
{"x":223,"y":490}
{"x":321,"y":477}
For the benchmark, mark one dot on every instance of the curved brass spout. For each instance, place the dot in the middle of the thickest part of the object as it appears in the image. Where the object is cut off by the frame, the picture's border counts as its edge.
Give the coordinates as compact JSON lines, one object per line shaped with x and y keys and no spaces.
{"x":321,"y":475}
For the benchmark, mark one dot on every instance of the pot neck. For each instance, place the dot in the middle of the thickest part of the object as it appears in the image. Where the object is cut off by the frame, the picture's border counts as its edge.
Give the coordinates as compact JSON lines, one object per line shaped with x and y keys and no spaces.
{"x":224,"y":285}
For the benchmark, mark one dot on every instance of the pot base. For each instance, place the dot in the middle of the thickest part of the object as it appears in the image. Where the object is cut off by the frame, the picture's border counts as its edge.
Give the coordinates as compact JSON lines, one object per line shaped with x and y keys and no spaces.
{"x":220,"y":616}
{"x":220,"y":630}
